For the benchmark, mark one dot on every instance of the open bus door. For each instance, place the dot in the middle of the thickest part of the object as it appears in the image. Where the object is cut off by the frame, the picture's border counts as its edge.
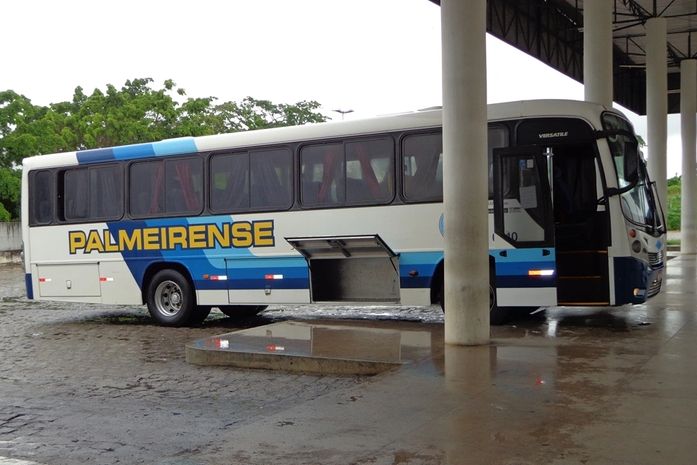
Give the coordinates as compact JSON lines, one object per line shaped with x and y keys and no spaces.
{"x":581,"y":225}
{"x":525,"y":272}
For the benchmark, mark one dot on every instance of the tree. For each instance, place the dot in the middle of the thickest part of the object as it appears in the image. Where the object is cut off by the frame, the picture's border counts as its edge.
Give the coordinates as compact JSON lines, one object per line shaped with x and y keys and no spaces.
{"x":673,"y":208}
{"x":137,"y":112}
{"x":10,"y":182}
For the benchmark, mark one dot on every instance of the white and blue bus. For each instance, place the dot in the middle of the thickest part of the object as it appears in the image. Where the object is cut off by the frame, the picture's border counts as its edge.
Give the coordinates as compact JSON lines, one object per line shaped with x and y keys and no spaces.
{"x":344,"y":212}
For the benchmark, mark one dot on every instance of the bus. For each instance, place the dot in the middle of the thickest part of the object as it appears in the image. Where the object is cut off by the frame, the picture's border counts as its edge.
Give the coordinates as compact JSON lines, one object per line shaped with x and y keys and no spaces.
{"x":345,"y":212}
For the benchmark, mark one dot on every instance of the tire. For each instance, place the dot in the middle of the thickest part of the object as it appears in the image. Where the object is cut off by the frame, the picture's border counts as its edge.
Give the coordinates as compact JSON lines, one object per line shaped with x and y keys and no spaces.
{"x":497,"y":315}
{"x":242,"y":311}
{"x":202,"y":312}
{"x":171,"y":300}
{"x":441,"y":296}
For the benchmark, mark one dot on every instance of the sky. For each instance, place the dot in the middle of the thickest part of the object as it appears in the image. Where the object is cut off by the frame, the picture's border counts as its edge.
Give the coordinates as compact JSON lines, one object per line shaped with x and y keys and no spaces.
{"x":372,"y":57}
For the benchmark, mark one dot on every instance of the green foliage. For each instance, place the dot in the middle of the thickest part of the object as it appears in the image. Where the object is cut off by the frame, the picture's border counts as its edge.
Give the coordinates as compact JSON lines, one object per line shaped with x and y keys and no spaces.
{"x":10,"y":185}
{"x":672,"y":211}
{"x":137,"y":112}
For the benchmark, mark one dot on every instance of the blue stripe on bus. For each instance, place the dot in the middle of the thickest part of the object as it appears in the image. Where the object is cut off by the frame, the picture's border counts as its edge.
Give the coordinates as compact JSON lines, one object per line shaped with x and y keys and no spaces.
{"x":416,"y":282}
{"x":512,"y":269}
{"x":94,"y":156}
{"x":175,"y":146}
{"x":127,"y":152}
{"x":422,"y":265}
{"x":522,"y":268}
{"x":182,"y":146}
{"x":198,"y":262}
{"x":244,"y":270}
{"x":263,"y":263}
{"x":137,"y":261}
{"x":29,"y":286}
{"x":523,"y":255}
{"x":253,"y":284}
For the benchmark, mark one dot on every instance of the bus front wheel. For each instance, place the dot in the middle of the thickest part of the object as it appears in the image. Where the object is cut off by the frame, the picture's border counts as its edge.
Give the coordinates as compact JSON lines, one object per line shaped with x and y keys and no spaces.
{"x":242,"y":311}
{"x":497,"y":315}
{"x":171,"y":299}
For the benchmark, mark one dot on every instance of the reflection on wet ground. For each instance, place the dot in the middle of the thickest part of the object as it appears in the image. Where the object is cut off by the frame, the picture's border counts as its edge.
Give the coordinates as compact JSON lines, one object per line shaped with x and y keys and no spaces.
{"x":565,"y":386}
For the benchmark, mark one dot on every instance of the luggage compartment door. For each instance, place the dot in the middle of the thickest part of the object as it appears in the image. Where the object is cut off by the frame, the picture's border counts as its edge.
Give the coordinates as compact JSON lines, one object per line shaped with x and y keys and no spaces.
{"x":69,"y":280}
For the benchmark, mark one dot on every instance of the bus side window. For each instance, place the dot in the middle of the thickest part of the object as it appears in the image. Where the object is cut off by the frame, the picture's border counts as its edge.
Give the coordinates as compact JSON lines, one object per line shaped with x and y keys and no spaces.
{"x":422,"y":167}
{"x":229,"y":182}
{"x":106,"y":192}
{"x":271,"y":178}
{"x":41,"y":189}
{"x":146,"y":188}
{"x":369,"y":171}
{"x":497,"y":137}
{"x":183,"y":181}
{"x":76,"y":194}
{"x":322,"y":175}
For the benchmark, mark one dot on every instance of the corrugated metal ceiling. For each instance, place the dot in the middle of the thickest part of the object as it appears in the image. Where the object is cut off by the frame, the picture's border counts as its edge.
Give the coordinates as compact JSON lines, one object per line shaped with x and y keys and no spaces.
{"x":552,"y":31}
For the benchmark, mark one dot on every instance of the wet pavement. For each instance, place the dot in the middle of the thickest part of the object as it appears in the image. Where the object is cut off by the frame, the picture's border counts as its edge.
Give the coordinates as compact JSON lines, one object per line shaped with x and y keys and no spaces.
{"x":88,"y":384}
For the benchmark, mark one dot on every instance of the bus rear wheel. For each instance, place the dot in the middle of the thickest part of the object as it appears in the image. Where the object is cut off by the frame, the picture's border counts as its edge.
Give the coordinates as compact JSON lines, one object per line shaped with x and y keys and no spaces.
{"x":242,"y":311}
{"x":171,"y":301}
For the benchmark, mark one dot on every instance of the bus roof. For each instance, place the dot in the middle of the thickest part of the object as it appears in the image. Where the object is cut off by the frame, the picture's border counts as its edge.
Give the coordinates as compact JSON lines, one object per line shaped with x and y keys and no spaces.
{"x":422,"y":119}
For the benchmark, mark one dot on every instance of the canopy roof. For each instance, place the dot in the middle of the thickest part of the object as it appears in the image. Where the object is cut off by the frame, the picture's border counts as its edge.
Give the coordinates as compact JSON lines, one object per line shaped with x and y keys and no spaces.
{"x":552,"y":31}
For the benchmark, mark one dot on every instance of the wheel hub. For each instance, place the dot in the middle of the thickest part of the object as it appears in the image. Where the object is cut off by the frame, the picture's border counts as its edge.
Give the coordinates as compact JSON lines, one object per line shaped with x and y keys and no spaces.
{"x":168,"y":298}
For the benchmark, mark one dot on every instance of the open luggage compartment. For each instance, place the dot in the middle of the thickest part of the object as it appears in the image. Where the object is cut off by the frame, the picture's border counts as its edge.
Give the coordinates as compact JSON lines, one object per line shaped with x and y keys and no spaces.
{"x":350,"y":268}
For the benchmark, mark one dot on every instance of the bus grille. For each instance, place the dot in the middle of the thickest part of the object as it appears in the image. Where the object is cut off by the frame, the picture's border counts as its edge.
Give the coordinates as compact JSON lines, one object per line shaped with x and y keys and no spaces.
{"x":656,"y":259}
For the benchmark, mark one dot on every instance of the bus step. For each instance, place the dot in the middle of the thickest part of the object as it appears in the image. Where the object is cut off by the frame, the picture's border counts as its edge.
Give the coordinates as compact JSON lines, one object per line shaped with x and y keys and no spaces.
{"x":591,"y":288}
{"x":582,"y":263}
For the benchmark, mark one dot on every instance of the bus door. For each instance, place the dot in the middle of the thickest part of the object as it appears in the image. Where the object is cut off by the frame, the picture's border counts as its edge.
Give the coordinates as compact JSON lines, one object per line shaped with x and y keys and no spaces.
{"x":526,"y":268}
{"x":581,"y":224}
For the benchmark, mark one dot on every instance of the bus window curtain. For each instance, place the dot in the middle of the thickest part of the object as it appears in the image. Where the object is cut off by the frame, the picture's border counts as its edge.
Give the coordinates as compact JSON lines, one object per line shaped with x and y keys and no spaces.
{"x":238,"y":192}
{"x":331,"y":157}
{"x":367,"y":171}
{"x":186,"y":183}
{"x":157,"y":189}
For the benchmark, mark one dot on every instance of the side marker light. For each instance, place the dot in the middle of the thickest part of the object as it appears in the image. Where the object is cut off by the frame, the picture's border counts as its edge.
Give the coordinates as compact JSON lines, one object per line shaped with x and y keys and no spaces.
{"x":540,"y":272}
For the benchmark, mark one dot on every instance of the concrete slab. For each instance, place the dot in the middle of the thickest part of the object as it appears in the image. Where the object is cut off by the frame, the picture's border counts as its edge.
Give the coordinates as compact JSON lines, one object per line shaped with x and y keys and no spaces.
{"x":350,"y":348}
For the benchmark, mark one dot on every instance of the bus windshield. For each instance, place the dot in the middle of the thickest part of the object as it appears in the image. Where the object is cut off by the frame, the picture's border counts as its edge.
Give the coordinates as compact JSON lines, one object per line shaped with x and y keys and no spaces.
{"x":637,"y":196}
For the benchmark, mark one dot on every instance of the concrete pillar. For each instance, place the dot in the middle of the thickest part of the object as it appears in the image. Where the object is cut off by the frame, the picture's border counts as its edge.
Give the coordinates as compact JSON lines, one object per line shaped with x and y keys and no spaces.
{"x":657,"y":103}
{"x":688,"y":113}
{"x":468,"y":370}
{"x":465,"y":174}
{"x":597,"y":51}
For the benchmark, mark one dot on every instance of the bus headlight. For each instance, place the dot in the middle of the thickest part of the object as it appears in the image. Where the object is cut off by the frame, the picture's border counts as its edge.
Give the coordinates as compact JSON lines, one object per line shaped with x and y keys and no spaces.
{"x":636,"y":246}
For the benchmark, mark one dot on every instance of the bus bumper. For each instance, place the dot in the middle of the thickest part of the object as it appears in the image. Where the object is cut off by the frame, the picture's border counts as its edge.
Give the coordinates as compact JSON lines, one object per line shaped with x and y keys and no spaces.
{"x":636,"y":281}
